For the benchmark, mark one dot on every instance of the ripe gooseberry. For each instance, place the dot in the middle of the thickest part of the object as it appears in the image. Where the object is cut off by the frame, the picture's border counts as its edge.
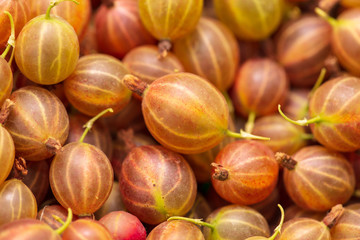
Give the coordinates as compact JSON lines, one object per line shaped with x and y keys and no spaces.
{"x":232,"y":222}
{"x":303,"y":44}
{"x":78,"y":17}
{"x":184,"y":112}
{"x":277,"y":230}
{"x":47,"y":48}
{"x":37,"y":122}
{"x":245,"y":172}
{"x":131,"y":227}
{"x":210,"y":51}
{"x":294,"y":211}
{"x":176,"y":230}
{"x":347,"y":227}
{"x":156,"y":183}
{"x":315,"y":172}
{"x":86,"y":229}
{"x":144,"y":63}
{"x":173,"y":20}
{"x":20,"y":11}
{"x":16,"y":201}
{"x":250,"y":20}
{"x":6,"y":75}
{"x":54,"y":216}
{"x":307,"y":228}
{"x":81,"y":175}
{"x":95,"y":85}
{"x":334,"y":114}
{"x":260,"y":85}
{"x":344,"y":38}
{"x":119,"y":28}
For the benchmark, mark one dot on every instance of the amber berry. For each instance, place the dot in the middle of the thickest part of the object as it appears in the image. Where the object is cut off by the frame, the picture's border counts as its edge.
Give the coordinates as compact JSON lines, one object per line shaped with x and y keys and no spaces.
{"x":176,"y":230}
{"x":47,"y":48}
{"x":347,"y":226}
{"x":210,"y":51}
{"x":156,"y":183}
{"x":119,"y":28}
{"x":245,"y":172}
{"x":315,"y":172}
{"x":172,"y":21}
{"x":184,"y":112}
{"x":95,"y":85}
{"x":81,"y":175}
{"x":86,"y":229}
{"x":17,"y":201}
{"x":38,"y":123}
{"x":232,"y":222}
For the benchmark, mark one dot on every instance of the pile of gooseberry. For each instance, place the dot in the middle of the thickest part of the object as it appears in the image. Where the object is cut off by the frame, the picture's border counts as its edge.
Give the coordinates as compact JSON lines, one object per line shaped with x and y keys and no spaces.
{"x":179,"y":119}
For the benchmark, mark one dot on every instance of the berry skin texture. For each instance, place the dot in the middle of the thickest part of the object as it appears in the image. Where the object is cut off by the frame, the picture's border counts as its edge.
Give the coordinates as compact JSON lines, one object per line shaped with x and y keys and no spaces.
{"x":252,"y":172}
{"x":156,"y":183}
{"x":176,"y":230}
{"x":47,"y":50}
{"x":185,"y":113}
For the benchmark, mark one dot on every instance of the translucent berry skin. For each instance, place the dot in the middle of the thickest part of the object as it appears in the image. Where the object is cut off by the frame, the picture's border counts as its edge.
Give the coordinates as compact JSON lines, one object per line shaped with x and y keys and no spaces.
{"x":345,"y":40}
{"x":28,"y":229}
{"x":304,"y":228}
{"x":294,"y":211}
{"x":17,"y":201}
{"x":7,"y":154}
{"x":210,"y":51}
{"x":319,"y":174}
{"x":20,"y":11}
{"x":336,"y":102}
{"x":99,"y":135}
{"x":131,"y":227}
{"x":46,"y":215}
{"x":86,"y":229}
{"x":144,"y":62}
{"x":260,"y":85}
{"x":185,"y":113}
{"x":234,"y":222}
{"x":36,"y":117}
{"x":170,"y":19}
{"x":248,"y":19}
{"x":176,"y":230}
{"x":6,"y":80}
{"x":119,"y":28}
{"x":347,"y":226}
{"x":81,"y":177}
{"x":37,"y":179}
{"x":53,"y":46}
{"x":252,"y":172}
{"x":156,"y":183}
{"x":77,"y":15}
{"x":284,"y":136}
{"x":95,"y":85}
{"x":304,"y":44}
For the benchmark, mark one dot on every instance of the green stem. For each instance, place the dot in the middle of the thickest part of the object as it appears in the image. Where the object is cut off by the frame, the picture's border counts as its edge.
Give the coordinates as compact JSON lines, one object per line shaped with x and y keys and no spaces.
{"x":65,"y":224}
{"x":91,"y":122}
{"x":332,"y":21}
{"x":307,"y":136}
{"x":244,"y":134}
{"x":303,"y":122}
{"x":249,"y":125}
{"x":195,"y":221}
{"x":278,"y":228}
{"x":11,"y":41}
{"x":53,"y":4}
{"x":318,"y":81}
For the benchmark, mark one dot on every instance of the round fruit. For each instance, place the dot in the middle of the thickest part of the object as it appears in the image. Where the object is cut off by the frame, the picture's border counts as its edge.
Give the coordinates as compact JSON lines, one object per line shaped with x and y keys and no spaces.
{"x":156,"y":183}
{"x":250,"y":19}
{"x":176,"y":230}
{"x":86,"y":229}
{"x":245,"y":172}
{"x":95,"y":85}
{"x":38,"y":123}
{"x":47,"y":48}
{"x":315,"y":172}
